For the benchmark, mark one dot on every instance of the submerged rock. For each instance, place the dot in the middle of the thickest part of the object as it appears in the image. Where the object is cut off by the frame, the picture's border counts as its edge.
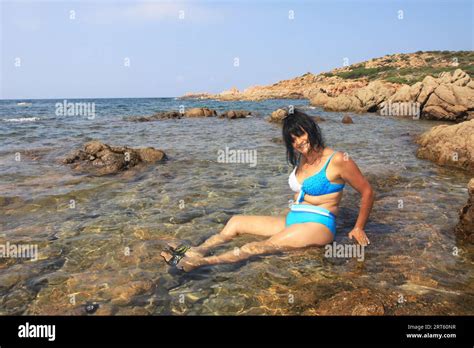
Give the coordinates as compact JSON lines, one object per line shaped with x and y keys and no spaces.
{"x":318,"y":119}
{"x":278,"y":140}
{"x":101,"y":159}
{"x":233,"y":114}
{"x":347,"y":120}
{"x":465,"y":227}
{"x":124,"y":294}
{"x":356,"y":302}
{"x":449,"y":145}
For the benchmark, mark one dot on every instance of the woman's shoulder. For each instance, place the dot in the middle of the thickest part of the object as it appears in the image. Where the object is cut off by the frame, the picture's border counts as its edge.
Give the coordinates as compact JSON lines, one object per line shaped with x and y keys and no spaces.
{"x":337,"y":164}
{"x":338,"y":157}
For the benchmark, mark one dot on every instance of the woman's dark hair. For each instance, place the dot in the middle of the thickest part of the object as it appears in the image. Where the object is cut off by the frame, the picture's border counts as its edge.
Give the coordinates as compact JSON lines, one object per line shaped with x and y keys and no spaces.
{"x":296,"y":124}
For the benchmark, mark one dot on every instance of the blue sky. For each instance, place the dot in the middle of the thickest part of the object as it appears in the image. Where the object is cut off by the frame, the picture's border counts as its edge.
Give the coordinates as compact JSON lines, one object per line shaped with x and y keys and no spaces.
{"x":85,"y":56}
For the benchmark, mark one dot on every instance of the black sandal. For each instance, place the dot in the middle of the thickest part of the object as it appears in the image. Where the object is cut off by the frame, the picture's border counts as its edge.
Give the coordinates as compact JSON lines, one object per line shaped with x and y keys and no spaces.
{"x":178,"y":253}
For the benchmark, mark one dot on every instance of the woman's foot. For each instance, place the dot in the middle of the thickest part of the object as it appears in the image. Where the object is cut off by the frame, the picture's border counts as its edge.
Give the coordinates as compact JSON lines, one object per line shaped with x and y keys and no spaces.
{"x":186,"y":263}
{"x":191,"y":252}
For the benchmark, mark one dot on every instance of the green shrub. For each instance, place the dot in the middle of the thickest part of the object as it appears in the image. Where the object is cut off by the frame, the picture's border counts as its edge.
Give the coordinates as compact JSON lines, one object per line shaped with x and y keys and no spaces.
{"x":361,"y":72}
{"x":397,"y":79}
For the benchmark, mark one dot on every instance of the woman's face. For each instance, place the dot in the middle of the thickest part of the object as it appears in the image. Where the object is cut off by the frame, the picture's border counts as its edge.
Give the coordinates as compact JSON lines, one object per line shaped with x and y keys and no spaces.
{"x":301,"y":143}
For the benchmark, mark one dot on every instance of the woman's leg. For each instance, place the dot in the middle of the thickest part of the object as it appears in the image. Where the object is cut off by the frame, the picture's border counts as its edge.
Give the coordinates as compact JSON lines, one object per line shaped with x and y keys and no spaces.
{"x":241,"y":224}
{"x":293,"y":237}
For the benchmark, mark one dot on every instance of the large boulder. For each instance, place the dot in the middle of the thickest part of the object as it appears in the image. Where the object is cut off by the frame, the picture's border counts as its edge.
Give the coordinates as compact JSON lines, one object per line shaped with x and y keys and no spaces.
{"x":375,"y":93}
{"x":364,"y":99}
{"x":451,"y":145}
{"x":407,"y":93}
{"x":452,"y":99}
{"x":465,"y":228}
{"x":449,"y":97}
{"x":101,"y":159}
{"x":343,"y":102}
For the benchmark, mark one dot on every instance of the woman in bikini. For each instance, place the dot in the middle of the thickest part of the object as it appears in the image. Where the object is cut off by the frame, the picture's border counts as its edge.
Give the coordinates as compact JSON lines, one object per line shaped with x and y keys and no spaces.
{"x":318,"y":180}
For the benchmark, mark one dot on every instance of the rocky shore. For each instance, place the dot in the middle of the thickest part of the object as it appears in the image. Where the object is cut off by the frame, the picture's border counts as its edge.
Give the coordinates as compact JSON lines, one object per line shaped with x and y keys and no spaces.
{"x":449,"y":97}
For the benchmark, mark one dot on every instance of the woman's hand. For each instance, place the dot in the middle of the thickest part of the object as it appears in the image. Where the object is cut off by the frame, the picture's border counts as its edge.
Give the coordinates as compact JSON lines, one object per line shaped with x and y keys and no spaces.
{"x":359,"y":234}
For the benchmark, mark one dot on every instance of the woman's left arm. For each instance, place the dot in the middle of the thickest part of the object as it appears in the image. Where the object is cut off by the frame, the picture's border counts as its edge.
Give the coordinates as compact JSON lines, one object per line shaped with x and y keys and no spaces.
{"x":352,"y":175}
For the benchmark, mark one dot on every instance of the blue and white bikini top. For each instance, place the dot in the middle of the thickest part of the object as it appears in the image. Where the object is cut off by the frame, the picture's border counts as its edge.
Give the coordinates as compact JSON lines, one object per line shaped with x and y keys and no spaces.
{"x":315,"y":185}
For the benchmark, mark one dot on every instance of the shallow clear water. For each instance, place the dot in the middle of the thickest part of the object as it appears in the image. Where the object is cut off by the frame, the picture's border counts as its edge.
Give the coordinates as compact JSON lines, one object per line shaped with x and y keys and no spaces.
{"x":106,"y":249}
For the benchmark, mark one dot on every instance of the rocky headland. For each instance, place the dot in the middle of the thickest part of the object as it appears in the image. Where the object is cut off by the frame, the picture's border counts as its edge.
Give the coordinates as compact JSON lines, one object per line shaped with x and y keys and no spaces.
{"x":438,"y":82}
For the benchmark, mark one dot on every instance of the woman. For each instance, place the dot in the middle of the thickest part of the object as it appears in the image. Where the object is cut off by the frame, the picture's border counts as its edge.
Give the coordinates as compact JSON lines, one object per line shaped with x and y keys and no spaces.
{"x":318,"y":178}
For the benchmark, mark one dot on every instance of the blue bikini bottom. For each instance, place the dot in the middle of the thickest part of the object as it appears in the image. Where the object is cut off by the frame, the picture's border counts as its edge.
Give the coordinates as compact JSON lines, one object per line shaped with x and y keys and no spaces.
{"x":301,"y":213}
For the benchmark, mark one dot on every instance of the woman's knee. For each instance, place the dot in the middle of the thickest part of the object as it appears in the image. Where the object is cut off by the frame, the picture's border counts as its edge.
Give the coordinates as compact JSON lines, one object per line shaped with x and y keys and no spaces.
{"x":231,"y":227}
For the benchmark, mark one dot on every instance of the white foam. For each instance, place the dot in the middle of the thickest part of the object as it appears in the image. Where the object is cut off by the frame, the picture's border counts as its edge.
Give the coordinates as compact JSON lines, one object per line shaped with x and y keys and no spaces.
{"x":23,"y":119}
